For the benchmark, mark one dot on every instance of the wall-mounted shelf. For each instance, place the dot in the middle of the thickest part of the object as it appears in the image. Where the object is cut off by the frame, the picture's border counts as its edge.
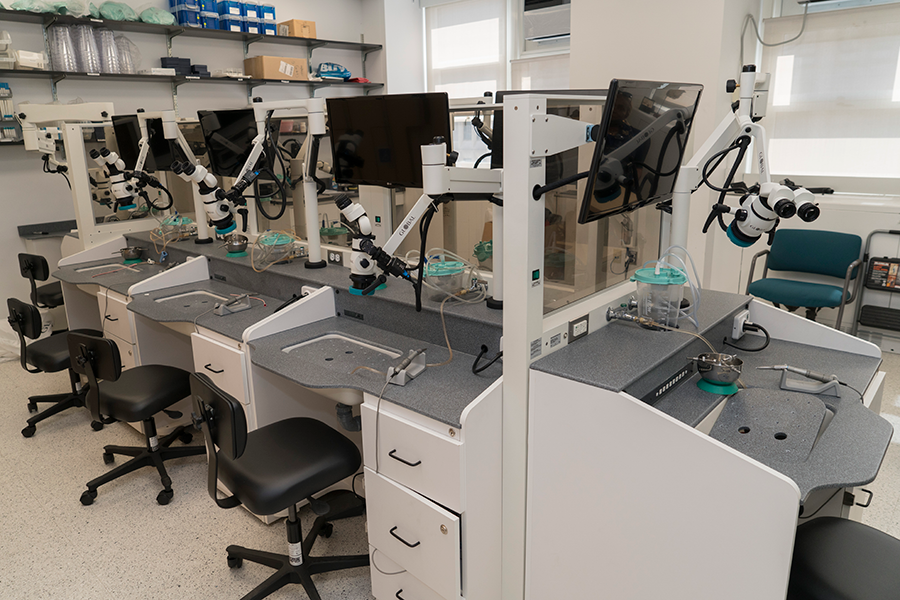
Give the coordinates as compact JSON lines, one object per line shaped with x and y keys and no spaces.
{"x":173,"y":31}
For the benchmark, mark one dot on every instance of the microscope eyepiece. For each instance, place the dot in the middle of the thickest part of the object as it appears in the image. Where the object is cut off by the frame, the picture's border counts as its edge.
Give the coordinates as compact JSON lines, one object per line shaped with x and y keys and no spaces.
{"x":785,"y":208}
{"x":95,"y":154}
{"x":342,"y":201}
{"x":808,"y":212}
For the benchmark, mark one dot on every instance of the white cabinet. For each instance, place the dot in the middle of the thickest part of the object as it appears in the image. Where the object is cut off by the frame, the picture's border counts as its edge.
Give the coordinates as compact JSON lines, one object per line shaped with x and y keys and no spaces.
{"x":414,"y":456}
{"x":114,"y":312}
{"x":415,"y":533}
{"x":433,"y":501}
{"x":224,"y":365}
{"x":390,"y":580}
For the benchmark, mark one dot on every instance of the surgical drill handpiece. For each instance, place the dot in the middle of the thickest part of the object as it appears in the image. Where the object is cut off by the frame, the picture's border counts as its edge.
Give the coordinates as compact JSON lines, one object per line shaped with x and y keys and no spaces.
{"x":804,"y":372}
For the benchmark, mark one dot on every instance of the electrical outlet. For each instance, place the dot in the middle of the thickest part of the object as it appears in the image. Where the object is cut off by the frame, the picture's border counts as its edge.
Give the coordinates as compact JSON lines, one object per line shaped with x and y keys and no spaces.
{"x":737,"y":328}
{"x":578,"y":328}
{"x":335,"y":257}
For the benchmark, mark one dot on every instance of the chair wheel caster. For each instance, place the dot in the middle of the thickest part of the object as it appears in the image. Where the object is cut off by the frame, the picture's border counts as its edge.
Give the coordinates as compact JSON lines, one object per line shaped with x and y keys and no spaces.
{"x":164,"y":497}
{"x":96,"y":425}
{"x":87,"y":497}
{"x":109,"y":458}
{"x":29,"y":431}
{"x":185,"y":438}
{"x":32,"y":407}
{"x":235,"y":562}
{"x":327,"y":530}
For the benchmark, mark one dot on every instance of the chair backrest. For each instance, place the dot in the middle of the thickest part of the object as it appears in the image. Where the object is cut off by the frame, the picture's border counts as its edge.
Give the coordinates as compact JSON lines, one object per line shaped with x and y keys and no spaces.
{"x":26,"y":322}
{"x":96,"y":358}
{"x":34,"y":266}
{"x":25,"y":319}
{"x":811,"y":251}
{"x":224,"y":424}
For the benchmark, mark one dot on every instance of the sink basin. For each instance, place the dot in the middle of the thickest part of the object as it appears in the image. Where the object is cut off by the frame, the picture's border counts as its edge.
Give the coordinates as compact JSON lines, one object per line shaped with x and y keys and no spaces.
{"x":109,"y":267}
{"x":341,"y":353}
{"x":195,"y":299}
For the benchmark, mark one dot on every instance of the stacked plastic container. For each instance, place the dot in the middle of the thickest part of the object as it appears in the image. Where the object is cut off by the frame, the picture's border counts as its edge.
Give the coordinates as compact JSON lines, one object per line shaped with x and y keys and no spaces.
{"x":231,"y":15}
{"x":209,"y":14}
{"x":268,"y":24}
{"x":187,"y":12}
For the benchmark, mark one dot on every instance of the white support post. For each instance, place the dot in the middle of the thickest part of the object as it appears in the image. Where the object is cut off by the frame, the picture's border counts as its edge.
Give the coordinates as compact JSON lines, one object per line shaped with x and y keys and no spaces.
{"x":523,"y":281}
{"x":497,"y":254}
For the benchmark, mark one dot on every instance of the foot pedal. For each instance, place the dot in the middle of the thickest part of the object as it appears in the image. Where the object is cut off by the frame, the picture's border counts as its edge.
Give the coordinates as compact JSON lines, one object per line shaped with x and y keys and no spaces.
{"x":320,"y":507}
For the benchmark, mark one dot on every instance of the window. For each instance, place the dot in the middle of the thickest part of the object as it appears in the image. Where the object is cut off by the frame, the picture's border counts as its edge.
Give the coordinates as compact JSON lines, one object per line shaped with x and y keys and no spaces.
{"x":466,"y":47}
{"x":834,"y":99}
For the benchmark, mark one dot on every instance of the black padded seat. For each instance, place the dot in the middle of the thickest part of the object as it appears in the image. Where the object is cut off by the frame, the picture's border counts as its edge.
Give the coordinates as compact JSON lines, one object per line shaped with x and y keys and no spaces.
{"x":51,"y":354}
{"x":50,"y":295}
{"x":269,"y":479}
{"x":840,"y":559}
{"x":140,"y":393}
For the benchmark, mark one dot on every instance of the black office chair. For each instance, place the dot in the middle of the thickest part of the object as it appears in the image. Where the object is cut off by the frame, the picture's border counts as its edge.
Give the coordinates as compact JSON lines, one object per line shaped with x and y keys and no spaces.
{"x":49,"y":355}
{"x":133,"y":395}
{"x":35,"y":268}
{"x":273,"y":468}
{"x":840,"y":559}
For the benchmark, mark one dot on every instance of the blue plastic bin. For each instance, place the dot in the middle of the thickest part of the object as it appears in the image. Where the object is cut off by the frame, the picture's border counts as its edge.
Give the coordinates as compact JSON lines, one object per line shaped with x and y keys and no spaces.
{"x":209,"y":20}
{"x":231,"y":22}
{"x":251,"y":9}
{"x":174,"y":4}
{"x":208,"y":6}
{"x":252,"y":25}
{"x":269,"y":27}
{"x":267,"y":11}
{"x":230,"y":7}
{"x":188,"y":16}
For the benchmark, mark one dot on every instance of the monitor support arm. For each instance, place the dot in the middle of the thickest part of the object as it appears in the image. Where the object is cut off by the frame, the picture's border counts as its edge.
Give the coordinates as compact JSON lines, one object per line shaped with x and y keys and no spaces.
{"x":315,"y":111}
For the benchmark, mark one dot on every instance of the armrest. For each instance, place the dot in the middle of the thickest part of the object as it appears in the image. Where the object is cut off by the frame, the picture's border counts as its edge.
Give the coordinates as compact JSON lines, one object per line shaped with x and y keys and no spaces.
{"x":844,"y":300}
{"x":753,"y":268}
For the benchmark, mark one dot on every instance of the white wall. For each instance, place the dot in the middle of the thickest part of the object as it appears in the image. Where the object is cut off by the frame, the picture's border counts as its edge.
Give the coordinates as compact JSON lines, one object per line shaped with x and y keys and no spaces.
{"x":693,"y":41}
{"x":29,"y":196}
{"x":403,"y":61}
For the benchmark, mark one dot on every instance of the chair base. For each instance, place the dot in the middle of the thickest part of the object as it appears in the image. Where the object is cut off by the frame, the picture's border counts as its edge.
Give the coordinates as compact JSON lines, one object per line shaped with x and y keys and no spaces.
{"x":342,"y":505}
{"x":145,"y":457}
{"x":60,"y":402}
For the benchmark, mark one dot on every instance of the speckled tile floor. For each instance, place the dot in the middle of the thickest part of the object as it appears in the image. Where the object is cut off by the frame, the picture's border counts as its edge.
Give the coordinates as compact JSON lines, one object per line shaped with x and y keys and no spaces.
{"x":126,"y":545}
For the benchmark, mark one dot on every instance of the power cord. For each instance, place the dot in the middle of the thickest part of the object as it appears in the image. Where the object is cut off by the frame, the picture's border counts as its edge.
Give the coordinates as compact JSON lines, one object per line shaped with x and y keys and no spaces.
{"x":748,"y":326}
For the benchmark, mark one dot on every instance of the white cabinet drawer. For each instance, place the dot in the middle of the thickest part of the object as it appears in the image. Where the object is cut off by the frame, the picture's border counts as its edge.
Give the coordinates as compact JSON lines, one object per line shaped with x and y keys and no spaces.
{"x":224,"y":365}
{"x":126,"y":352}
{"x":391,"y":581}
{"x":114,"y":313}
{"x":417,"y":534}
{"x":414,"y":456}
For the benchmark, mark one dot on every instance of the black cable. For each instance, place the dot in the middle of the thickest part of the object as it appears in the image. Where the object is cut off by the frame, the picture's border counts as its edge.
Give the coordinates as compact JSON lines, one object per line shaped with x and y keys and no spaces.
{"x":270,"y":145}
{"x":540,"y":191}
{"x":66,"y":177}
{"x":476,"y":369}
{"x":153,"y":206}
{"x":424,"y":225}
{"x":752,"y":327}
{"x":822,"y":505}
{"x":852,"y":388}
{"x":481,"y":158}
{"x":741,"y":142}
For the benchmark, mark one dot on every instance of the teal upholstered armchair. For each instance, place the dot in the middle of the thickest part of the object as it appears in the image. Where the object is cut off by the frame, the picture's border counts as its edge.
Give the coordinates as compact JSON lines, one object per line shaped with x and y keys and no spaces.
{"x":832,"y":255}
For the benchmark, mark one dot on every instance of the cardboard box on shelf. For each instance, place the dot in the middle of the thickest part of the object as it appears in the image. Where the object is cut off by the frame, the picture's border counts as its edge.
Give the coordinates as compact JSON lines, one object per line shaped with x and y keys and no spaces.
{"x":276,"y":67}
{"x":297,"y":28}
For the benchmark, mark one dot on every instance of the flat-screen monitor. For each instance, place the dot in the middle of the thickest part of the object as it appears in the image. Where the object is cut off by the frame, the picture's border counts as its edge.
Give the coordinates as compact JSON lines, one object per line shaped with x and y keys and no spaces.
{"x":128,"y":134}
{"x":643,"y":135}
{"x":377,"y":140}
{"x":229,"y":138}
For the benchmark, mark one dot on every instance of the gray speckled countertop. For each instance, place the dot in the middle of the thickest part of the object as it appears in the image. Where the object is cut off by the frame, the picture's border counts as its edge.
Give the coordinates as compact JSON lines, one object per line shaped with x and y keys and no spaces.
{"x":397,"y":291}
{"x":620,"y":353}
{"x":441,"y":393}
{"x":117,"y":277}
{"x":199,"y":308}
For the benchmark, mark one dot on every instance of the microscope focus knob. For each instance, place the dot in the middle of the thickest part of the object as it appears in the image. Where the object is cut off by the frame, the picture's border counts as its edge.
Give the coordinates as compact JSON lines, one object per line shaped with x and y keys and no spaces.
{"x":438,"y":140}
{"x":364,"y":263}
{"x":730,"y":86}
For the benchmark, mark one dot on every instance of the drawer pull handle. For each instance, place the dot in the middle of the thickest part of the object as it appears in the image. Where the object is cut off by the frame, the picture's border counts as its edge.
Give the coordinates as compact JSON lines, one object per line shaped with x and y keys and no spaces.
{"x":399,"y":596}
{"x":207,"y":367}
{"x":109,"y":318}
{"x":405,"y":462}
{"x":408,"y":545}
